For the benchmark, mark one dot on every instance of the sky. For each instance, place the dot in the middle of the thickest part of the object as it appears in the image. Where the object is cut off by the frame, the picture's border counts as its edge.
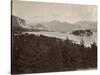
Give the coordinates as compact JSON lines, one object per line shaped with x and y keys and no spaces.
{"x":34,"y":12}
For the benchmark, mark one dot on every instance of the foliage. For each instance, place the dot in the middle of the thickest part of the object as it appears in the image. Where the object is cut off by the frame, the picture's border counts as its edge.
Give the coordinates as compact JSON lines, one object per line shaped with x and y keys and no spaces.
{"x":34,"y":54}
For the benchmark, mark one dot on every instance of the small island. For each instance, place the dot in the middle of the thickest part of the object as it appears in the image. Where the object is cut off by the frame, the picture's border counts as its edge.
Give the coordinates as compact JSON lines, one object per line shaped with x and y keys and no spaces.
{"x":86,"y":32}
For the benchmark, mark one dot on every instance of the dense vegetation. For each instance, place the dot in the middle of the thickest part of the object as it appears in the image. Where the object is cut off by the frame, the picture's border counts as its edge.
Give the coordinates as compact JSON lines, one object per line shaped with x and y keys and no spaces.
{"x":34,"y":54}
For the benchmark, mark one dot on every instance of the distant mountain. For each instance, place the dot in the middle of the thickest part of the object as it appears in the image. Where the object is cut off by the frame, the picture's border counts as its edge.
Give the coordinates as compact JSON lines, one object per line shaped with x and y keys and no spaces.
{"x":60,"y":26}
{"x":87,"y":25}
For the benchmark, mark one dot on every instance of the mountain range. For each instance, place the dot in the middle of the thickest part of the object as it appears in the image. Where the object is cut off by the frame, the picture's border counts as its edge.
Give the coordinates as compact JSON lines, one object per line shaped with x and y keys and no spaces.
{"x":56,"y":26}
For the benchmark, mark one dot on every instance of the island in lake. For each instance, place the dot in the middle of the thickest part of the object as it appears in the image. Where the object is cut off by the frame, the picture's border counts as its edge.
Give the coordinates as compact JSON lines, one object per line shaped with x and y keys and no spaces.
{"x":86,"y":32}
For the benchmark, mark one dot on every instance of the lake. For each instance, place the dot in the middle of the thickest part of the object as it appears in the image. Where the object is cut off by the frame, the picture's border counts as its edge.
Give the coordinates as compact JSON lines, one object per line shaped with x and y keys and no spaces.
{"x":88,"y":40}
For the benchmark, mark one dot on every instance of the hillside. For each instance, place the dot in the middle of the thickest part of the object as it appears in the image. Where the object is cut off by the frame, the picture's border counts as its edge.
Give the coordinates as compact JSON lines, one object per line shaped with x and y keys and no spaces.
{"x":35,"y":54}
{"x":18,"y":24}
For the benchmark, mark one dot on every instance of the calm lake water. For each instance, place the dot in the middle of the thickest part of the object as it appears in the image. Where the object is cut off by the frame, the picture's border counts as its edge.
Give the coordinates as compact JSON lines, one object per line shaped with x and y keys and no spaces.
{"x":88,"y":40}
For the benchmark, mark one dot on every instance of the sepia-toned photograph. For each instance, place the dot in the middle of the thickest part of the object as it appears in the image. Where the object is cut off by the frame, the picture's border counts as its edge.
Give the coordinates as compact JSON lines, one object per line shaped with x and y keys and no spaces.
{"x":52,"y":37}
